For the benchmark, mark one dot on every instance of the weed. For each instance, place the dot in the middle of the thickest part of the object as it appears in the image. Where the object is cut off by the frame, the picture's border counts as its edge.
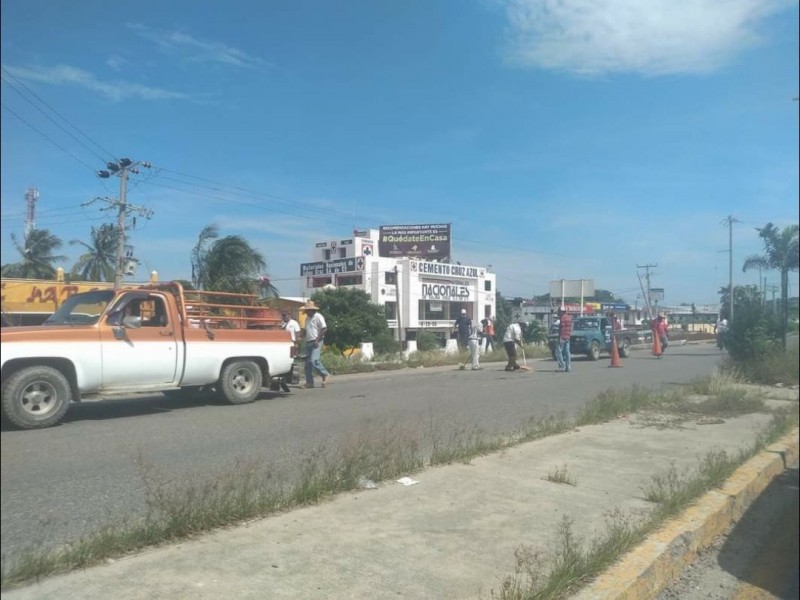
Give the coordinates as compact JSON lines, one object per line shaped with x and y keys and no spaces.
{"x":561,"y":475}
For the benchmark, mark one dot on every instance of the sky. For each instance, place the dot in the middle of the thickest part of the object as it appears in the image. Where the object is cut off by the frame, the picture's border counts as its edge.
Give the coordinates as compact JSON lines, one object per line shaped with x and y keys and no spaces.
{"x":562,"y":139}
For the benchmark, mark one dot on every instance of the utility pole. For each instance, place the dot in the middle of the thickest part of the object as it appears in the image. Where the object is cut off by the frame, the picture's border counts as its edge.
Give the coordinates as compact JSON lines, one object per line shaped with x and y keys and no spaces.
{"x":730,"y":220}
{"x":121,"y":168}
{"x":647,"y":292}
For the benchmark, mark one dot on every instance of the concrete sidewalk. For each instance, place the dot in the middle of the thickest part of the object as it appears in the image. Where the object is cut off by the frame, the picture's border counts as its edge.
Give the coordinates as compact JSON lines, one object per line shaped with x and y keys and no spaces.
{"x":454,"y":533}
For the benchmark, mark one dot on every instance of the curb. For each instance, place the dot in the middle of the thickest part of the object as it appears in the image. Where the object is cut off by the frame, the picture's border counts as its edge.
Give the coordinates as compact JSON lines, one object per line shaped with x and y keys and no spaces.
{"x":661,"y":558}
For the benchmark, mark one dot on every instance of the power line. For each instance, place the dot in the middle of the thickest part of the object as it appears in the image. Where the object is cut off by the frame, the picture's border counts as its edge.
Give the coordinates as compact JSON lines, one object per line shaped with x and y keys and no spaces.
{"x":49,"y":139}
{"x":60,"y":116}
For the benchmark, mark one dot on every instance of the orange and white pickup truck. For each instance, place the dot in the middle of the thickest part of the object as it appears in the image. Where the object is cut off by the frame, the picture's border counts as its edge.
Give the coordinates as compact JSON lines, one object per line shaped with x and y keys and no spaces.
{"x":154,"y":338}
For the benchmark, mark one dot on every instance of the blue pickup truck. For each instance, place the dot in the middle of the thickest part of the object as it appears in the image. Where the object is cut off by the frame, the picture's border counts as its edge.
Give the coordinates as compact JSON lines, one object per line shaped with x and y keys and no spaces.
{"x":591,"y":335}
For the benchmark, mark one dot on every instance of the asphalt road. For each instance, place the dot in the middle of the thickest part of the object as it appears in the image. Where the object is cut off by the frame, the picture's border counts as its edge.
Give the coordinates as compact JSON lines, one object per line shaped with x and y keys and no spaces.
{"x":66,"y":481}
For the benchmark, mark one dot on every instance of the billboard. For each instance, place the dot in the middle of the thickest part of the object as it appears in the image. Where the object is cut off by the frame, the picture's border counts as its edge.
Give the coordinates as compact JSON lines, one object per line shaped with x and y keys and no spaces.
{"x":325,"y":267}
{"x":427,"y":242}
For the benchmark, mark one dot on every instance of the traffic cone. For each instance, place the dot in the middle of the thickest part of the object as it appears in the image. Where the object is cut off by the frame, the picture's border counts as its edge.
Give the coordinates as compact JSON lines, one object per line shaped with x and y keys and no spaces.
{"x":615,"y":361}
{"x":656,"y":345}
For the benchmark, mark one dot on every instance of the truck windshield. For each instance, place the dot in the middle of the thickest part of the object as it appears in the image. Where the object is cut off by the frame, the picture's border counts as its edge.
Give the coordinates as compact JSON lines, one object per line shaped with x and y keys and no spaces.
{"x":584,"y":323}
{"x":81,"y":309}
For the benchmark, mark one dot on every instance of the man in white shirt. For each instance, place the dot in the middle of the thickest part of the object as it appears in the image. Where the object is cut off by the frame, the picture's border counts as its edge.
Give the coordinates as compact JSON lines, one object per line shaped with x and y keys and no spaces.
{"x":512,"y":339}
{"x":315,"y":335}
{"x":290,"y":325}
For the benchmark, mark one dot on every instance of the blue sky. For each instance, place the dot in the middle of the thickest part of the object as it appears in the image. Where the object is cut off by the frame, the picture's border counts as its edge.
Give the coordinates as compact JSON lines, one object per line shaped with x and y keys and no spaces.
{"x":562,"y":139}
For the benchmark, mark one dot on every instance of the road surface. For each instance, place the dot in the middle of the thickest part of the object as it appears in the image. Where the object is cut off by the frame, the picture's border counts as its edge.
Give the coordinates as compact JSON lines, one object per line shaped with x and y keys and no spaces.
{"x":66,"y":481}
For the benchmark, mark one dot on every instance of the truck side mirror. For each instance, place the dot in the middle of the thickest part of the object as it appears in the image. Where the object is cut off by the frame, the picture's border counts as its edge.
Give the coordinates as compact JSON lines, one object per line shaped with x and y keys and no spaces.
{"x":132,"y":322}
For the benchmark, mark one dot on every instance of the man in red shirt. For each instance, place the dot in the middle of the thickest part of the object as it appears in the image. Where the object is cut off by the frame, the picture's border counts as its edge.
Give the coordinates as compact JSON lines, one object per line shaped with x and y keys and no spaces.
{"x":659,"y":327}
{"x":563,"y":355}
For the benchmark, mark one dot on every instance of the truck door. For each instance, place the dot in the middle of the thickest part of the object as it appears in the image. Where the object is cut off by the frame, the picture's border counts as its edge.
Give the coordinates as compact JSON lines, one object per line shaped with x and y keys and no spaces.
{"x":144,"y":352}
{"x":605,"y":329}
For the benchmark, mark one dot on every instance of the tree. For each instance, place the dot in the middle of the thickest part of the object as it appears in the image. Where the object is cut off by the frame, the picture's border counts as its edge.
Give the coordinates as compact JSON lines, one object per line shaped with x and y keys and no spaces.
{"x":209,"y":232}
{"x":351,"y":317}
{"x":99,"y":263}
{"x":37,"y":256}
{"x":229,"y":265}
{"x":780,"y":254}
{"x":503,"y":317}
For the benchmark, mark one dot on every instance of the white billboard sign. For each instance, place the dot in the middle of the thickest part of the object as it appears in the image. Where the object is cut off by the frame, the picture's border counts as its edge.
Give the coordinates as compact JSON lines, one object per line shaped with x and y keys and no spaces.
{"x":571,"y":288}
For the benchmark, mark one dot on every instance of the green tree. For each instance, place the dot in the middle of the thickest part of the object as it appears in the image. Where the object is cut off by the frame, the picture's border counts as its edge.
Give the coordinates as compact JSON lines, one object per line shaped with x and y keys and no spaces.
{"x":37,"y":256}
{"x":351,"y":317}
{"x":209,"y":232}
{"x":780,"y":254}
{"x":99,"y":262}
{"x":229,"y":265}
{"x":754,"y":332}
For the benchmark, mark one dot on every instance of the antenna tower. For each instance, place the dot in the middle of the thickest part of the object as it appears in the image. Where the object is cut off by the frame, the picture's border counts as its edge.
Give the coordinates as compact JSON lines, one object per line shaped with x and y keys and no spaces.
{"x":31,"y":196}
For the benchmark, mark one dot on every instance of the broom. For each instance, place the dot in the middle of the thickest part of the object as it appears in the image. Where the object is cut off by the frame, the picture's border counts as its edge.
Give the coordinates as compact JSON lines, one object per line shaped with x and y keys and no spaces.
{"x":524,"y":366}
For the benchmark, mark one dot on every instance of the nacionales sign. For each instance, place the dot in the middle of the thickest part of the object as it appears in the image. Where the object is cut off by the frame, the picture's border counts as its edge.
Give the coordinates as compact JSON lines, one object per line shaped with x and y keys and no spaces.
{"x":431,"y":242}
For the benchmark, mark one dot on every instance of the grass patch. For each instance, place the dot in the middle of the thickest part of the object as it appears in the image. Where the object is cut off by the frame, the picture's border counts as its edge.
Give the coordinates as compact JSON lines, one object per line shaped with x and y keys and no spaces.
{"x":779,"y":367}
{"x":572,"y":563}
{"x":561,"y":475}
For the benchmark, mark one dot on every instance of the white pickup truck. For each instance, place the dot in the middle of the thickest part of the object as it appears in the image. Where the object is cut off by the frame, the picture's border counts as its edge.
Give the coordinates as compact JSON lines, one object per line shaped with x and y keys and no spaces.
{"x":155,"y":338}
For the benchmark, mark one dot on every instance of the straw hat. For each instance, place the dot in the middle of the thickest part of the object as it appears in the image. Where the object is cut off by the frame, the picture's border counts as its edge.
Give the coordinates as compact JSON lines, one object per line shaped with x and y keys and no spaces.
{"x":309,"y":306}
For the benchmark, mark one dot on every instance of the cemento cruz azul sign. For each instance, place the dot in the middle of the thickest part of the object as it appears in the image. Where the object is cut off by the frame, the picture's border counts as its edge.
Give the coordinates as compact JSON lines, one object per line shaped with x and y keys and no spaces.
{"x":448,"y":270}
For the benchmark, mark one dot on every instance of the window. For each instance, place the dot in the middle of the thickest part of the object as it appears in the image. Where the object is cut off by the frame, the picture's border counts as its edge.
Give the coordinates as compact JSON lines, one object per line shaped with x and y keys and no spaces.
{"x":342,"y":252}
{"x":390,"y":278}
{"x":391,"y":310}
{"x":487,"y":286}
{"x":326,"y":254}
{"x":431,"y":310}
{"x":349,"y":279}
{"x":319,"y":282}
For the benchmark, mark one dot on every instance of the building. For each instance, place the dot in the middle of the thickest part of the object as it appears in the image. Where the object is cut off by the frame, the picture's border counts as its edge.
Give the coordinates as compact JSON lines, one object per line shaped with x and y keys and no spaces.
{"x":418,"y":295}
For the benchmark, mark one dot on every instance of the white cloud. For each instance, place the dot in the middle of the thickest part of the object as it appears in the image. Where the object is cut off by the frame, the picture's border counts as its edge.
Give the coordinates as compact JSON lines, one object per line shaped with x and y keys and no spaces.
{"x":115,"y":90}
{"x":195,"y":50}
{"x":649,"y":37}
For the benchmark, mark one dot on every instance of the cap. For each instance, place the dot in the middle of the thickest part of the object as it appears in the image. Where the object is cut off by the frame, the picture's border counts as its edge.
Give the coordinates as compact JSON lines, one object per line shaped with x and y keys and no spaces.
{"x":309,"y":306}
{"x":463,"y":311}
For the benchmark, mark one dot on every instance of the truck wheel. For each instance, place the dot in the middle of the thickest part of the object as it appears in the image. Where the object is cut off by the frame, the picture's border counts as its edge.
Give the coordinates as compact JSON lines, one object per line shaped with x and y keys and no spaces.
{"x":36,"y":397}
{"x":594,"y":350}
{"x":624,"y":348}
{"x":240,"y":382}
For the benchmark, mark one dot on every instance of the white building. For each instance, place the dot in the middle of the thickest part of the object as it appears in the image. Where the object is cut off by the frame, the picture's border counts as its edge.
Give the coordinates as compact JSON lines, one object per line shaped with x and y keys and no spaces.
{"x":418,"y":294}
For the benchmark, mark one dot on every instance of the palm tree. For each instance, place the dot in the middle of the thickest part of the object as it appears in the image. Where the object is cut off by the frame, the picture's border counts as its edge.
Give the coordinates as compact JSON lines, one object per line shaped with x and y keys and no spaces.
{"x":780,"y":254}
{"x":230,"y":265}
{"x":199,"y":252}
{"x":37,"y":256}
{"x":99,"y":263}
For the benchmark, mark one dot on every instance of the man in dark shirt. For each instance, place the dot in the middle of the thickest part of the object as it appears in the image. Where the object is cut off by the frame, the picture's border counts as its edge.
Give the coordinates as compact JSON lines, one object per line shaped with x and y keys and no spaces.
{"x":462,"y":326}
{"x":564,"y":334}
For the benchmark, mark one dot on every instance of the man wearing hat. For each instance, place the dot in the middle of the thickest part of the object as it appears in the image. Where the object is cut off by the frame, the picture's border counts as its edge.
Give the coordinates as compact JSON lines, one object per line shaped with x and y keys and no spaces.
{"x":462,"y":327}
{"x":659,"y":327}
{"x":315,"y":335}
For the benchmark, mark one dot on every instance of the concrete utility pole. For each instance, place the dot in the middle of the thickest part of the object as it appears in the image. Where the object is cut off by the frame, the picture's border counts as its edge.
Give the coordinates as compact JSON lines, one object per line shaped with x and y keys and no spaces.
{"x":122,"y":168}
{"x":647,"y":292}
{"x":730,"y":220}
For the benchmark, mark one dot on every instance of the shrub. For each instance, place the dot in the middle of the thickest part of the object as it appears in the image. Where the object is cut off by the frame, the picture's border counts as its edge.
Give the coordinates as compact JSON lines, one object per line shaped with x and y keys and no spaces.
{"x":384,"y":343}
{"x":427,"y":341}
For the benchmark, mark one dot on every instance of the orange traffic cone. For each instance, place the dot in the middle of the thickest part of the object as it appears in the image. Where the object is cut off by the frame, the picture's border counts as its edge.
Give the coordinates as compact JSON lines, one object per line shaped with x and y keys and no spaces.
{"x":656,"y":345}
{"x":615,"y":361}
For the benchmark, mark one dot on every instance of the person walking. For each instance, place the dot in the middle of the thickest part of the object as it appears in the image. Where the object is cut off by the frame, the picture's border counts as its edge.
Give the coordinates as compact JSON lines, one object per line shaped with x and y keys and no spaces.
{"x":462,"y":327}
{"x":315,"y":336}
{"x":511,"y":339}
{"x":721,"y":330}
{"x":659,"y":327}
{"x":488,"y":333}
{"x":474,"y":346}
{"x":563,"y":355}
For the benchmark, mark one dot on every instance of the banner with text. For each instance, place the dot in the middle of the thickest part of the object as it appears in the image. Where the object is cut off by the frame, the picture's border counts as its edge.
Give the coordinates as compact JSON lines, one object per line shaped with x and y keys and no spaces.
{"x":417,"y":241}
{"x":448,"y":270}
{"x":325,"y":267}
